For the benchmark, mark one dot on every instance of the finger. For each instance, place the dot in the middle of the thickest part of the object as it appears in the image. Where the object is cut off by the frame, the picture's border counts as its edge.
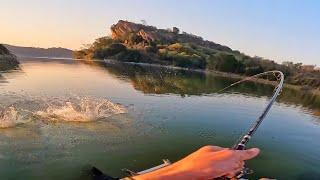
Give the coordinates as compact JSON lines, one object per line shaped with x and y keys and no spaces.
{"x":234,"y":173}
{"x":238,"y":167}
{"x":240,"y":164}
{"x":248,"y":154}
{"x":231,"y":175}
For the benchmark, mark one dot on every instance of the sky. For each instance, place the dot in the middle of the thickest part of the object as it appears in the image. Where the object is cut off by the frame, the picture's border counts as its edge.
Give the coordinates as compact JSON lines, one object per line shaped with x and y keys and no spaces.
{"x":286,"y":30}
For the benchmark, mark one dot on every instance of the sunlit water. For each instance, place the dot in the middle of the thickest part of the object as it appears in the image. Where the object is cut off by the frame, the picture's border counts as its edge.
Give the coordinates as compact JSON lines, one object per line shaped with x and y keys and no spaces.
{"x":58,"y":118}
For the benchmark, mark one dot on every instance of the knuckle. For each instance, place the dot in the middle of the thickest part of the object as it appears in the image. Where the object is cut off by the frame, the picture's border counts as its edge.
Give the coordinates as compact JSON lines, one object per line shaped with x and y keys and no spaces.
{"x":206,"y":148}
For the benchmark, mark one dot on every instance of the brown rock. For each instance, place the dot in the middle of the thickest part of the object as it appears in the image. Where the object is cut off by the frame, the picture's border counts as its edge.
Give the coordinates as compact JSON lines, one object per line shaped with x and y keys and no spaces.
{"x":123,"y":30}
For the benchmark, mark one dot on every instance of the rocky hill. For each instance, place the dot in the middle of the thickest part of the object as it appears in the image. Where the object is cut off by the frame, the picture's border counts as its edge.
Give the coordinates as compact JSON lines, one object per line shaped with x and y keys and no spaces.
{"x":141,"y":43}
{"x":125,"y":31}
{"x":40,"y":52}
{"x":7,"y":60}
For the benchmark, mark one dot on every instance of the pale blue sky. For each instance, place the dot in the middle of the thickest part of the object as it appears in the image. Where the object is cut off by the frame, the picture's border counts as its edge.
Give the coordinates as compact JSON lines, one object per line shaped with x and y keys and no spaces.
{"x":280,"y":30}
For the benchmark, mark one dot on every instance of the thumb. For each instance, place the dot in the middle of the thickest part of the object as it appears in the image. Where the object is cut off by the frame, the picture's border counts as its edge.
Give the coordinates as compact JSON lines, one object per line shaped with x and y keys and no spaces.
{"x":248,"y":154}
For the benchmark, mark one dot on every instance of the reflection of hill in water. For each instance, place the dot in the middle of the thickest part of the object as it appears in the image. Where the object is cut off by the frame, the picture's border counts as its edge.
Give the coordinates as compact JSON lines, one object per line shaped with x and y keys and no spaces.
{"x":162,"y":80}
{"x":155,"y":80}
{"x":303,"y":98}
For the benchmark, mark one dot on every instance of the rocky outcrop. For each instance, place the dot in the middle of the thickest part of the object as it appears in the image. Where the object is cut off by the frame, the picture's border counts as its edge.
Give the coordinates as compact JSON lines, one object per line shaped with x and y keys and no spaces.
{"x":7,"y":60}
{"x":125,"y":31}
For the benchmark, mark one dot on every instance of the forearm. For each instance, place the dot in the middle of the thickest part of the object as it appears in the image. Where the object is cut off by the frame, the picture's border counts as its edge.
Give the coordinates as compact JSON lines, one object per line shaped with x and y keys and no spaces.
{"x":169,"y":172}
{"x":207,"y":163}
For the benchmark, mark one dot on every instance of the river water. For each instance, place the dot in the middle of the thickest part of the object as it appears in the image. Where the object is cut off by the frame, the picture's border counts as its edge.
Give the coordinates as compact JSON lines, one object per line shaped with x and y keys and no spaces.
{"x":59,"y":117}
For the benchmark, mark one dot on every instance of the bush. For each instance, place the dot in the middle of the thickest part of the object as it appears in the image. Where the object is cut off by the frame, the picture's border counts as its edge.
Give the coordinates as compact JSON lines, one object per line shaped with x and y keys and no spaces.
{"x":224,"y":62}
{"x":102,"y":43}
{"x":151,"y":49}
{"x":175,"y":47}
{"x":129,"y":55}
{"x":250,"y":71}
{"x":112,"y":50}
{"x":116,"y":48}
{"x":184,"y":60}
{"x":79,"y":54}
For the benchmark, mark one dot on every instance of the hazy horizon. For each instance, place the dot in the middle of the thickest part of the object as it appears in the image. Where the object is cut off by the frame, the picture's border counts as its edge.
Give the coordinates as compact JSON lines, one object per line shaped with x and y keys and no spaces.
{"x":281,"y":31}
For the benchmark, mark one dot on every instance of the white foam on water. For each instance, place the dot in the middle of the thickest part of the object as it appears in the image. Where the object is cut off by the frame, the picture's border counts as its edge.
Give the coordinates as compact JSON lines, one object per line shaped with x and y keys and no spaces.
{"x":10,"y":117}
{"x":76,"y":109}
{"x":80,"y":110}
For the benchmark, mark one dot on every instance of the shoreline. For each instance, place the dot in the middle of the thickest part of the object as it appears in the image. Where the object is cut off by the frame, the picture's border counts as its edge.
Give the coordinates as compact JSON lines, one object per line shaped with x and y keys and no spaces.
{"x":219,"y":73}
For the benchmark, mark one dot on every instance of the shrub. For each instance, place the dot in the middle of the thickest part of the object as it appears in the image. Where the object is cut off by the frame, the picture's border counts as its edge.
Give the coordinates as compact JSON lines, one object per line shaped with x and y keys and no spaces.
{"x":224,"y":62}
{"x":253,"y":70}
{"x":79,"y":54}
{"x":151,"y":49}
{"x":175,"y":47}
{"x":129,"y":55}
{"x":112,"y":50}
{"x":102,"y":43}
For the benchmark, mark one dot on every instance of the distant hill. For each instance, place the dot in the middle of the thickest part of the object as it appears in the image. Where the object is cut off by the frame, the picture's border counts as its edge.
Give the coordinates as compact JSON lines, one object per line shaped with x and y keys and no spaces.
{"x":39,"y":52}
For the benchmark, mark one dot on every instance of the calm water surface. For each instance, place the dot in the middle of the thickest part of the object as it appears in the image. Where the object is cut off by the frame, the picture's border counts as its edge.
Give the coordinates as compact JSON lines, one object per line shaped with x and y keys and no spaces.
{"x":131,"y":116}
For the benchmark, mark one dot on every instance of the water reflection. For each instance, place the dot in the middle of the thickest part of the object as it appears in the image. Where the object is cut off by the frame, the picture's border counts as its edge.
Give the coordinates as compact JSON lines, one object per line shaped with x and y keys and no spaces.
{"x":156,"y":126}
{"x":162,"y":80}
{"x":157,"y":80}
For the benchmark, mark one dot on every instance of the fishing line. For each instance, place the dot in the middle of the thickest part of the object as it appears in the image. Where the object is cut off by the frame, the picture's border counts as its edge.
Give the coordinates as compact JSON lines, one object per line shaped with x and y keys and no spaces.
{"x":241,"y":143}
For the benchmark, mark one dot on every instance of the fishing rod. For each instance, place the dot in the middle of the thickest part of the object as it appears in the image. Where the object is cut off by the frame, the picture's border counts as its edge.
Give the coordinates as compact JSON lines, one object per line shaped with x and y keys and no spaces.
{"x":244,"y":139}
{"x":242,"y":142}
{"x":239,"y":145}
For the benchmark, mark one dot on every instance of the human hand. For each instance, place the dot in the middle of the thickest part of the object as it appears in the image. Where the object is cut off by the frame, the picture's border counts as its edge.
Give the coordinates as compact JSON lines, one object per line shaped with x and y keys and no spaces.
{"x":206,"y":163}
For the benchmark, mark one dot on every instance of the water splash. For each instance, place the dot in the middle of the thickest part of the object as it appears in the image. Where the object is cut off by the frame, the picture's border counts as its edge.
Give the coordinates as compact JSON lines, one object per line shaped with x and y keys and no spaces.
{"x":72,"y":109}
{"x":10,"y":117}
{"x":80,"y":110}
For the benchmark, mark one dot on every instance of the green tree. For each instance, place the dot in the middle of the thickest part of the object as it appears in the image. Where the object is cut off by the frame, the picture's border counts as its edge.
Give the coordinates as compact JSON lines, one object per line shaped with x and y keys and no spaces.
{"x":224,"y":62}
{"x":102,"y":43}
{"x":130,"y":55}
{"x":112,"y":50}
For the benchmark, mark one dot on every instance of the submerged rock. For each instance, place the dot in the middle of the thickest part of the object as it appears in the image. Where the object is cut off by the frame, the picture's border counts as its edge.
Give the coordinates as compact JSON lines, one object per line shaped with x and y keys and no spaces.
{"x":7,"y":59}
